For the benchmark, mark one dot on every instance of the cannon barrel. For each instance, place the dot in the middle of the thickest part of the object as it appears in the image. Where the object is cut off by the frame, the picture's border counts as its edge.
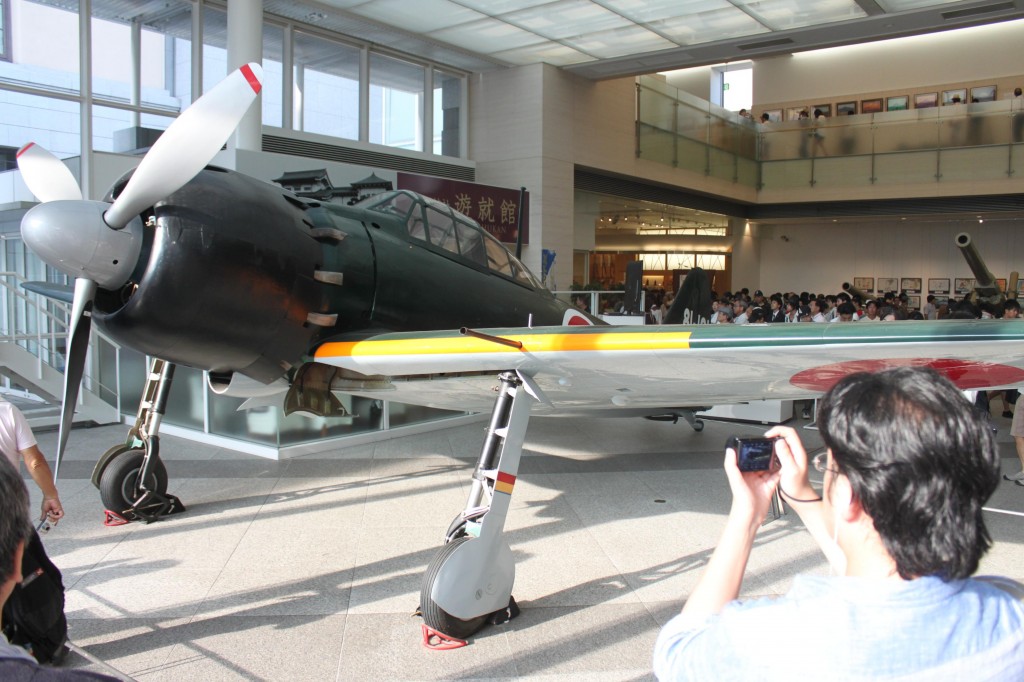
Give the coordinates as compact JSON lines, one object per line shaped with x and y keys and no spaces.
{"x":985,"y":282}
{"x":854,"y":291}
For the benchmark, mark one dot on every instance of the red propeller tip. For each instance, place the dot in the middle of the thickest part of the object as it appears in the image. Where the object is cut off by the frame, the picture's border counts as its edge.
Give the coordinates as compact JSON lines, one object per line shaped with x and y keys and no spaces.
{"x":253,"y":81}
{"x":24,"y":149}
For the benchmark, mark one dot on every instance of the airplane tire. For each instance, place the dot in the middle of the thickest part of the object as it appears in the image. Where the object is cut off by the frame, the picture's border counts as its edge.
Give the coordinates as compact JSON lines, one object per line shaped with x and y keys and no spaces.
{"x":698,"y":425}
{"x":117,"y":483}
{"x":433,"y":615}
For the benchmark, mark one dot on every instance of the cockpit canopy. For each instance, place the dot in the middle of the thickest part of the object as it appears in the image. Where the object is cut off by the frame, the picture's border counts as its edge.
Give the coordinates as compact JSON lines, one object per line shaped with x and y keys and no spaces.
{"x":437,"y":224}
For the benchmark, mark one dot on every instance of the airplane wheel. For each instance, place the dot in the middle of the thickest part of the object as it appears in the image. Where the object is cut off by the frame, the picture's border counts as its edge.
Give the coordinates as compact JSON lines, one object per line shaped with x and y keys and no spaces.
{"x":434,"y":615}
{"x":117,"y":483}
{"x":698,"y":425}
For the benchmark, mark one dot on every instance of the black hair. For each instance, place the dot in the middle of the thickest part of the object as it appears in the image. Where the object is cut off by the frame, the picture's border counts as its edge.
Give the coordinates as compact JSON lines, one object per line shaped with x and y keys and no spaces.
{"x":15,"y":525}
{"x":920,"y":460}
{"x":1011,"y":304}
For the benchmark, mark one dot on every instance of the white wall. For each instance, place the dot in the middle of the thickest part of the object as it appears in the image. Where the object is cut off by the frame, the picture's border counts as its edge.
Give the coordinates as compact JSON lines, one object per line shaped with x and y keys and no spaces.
{"x":820,"y":257}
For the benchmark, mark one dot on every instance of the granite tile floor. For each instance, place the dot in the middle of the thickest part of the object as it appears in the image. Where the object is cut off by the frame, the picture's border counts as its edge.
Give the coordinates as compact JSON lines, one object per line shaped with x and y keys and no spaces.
{"x":310,"y":568}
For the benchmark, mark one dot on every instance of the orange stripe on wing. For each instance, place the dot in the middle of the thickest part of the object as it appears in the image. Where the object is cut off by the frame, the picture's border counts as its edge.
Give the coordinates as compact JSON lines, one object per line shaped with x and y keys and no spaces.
{"x":532,"y":343}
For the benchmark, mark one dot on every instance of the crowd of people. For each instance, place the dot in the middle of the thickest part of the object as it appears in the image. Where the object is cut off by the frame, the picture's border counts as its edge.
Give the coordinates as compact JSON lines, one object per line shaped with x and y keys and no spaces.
{"x":742,"y":307}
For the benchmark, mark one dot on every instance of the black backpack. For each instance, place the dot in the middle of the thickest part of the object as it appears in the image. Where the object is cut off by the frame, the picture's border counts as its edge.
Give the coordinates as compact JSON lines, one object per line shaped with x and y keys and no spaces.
{"x":34,"y":614}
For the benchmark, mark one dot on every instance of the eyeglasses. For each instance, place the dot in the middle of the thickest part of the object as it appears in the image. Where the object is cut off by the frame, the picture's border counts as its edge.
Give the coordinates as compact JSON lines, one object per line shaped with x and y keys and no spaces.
{"x":820,"y":463}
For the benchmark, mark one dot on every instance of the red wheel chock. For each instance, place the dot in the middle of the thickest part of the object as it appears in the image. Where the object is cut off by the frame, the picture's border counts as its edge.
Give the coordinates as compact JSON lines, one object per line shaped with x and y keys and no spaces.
{"x":114,"y":519}
{"x":438,"y":641}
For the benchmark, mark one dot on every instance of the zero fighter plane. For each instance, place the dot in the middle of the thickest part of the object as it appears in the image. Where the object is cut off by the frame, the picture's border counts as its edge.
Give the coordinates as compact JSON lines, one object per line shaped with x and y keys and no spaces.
{"x":402,"y":298}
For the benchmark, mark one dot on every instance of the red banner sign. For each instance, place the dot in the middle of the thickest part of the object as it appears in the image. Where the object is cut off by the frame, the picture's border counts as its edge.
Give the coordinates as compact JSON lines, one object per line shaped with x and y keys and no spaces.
{"x":495,"y":208}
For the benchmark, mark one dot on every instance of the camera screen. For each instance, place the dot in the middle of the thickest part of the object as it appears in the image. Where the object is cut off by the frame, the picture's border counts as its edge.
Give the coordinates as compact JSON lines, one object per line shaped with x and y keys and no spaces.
{"x":756,"y":454}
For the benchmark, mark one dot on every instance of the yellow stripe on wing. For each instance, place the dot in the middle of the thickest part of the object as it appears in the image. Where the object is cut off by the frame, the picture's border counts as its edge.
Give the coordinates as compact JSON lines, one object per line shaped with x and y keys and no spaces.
{"x":532,"y":343}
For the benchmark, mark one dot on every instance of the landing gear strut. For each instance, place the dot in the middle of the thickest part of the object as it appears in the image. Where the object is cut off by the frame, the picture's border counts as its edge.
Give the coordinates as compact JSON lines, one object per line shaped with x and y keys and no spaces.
{"x":469,"y":581}
{"x":131,"y":478}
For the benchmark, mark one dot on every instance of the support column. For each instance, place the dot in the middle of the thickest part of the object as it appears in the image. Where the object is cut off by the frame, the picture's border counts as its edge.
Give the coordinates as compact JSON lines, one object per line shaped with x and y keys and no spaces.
{"x":245,"y":44}
{"x":85,"y":88}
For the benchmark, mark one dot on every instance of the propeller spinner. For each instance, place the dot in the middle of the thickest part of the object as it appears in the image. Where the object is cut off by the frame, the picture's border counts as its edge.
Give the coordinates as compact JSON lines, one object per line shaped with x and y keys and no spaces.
{"x":99,"y":243}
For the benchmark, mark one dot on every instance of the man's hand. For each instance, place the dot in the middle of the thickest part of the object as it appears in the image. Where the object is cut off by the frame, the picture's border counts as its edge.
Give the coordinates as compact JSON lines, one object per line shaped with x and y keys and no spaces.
{"x":794,"y":479}
{"x":751,"y":491}
{"x":52,"y":509}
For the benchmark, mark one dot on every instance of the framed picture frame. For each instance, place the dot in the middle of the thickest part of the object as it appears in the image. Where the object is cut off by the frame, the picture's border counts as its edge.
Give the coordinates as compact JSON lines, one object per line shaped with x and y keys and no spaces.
{"x":955,"y":96}
{"x":897,"y":103}
{"x":963,"y":285}
{"x":911,"y":285}
{"x":793,"y":113}
{"x":823,"y":108}
{"x":938,"y":286}
{"x":1001,"y":283}
{"x":887,"y":284}
{"x":926,"y":100}
{"x":1020,"y":287}
{"x":774,"y":115}
{"x":871,"y":106}
{"x":983,"y":93}
{"x":914,"y":302}
{"x":865,"y":284}
{"x":846,"y":108}
{"x":941,"y":301}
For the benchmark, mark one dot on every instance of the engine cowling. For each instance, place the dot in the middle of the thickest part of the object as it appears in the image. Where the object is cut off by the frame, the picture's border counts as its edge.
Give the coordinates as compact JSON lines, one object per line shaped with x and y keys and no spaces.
{"x":225,"y":281}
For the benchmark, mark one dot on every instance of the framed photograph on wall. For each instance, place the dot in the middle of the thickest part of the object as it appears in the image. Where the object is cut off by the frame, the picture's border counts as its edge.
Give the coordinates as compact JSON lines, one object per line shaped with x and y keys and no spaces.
{"x":926,"y":100}
{"x":846,"y":108}
{"x":774,"y":115}
{"x":793,"y":113}
{"x":938,"y":286}
{"x":887,"y":284}
{"x":1020,"y":287}
{"x":984,"y":93}
{"x":963,"y":285}
{"x":865,"y":284}
{"x":871,"y":106}
{"x":898,"y":103}
{"x":911,"y":285}
{"x":957,"y":96}
{"x":941,"y":301}
{"x":913,"y":302}
{"x":1001,"y":283}
{"x":823,"y":108}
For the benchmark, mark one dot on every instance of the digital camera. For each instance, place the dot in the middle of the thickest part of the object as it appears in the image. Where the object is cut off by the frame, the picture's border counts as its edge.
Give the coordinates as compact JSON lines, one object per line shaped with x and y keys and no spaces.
{"x":754,"y":454}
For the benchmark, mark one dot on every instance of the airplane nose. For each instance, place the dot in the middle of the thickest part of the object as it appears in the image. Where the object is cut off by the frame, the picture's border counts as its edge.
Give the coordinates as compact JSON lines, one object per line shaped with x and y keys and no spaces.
{"x":73,"y":237}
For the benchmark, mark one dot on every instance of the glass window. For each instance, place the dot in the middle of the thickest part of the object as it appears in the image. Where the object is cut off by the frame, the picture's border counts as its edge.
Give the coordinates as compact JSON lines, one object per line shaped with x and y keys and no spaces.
{"x":417,"y":228}
{"x":47,"y":42}
{"x":215,"y":47}
{"x":52,"y":123}
{"x":113,"y":130}
{"x":397,"y":203}
{"x":5,"y":27}
{"x":112,"y":52}
{"x":442,"y":229}
{"x":447,"y":113}
{"x":326,"y":87}
{"x":497,"y":256}
{"x":471,"y":242}
{"x":396,"y":103}
{"x":273,"y":76}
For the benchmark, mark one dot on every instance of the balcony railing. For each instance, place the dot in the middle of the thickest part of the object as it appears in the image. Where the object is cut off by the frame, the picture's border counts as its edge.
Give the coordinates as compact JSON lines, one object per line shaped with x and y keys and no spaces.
{"x":978,"y":141}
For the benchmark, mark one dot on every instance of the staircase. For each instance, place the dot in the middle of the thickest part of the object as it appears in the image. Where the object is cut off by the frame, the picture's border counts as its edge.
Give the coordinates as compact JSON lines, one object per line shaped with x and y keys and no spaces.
{"x":33,"y":334}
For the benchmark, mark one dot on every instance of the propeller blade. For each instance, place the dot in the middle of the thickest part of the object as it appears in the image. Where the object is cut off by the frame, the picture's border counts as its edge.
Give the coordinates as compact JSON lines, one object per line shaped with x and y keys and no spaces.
{"x":188,"y":144}
{"x":58,"y":292}
{"x":45,"y":175}
{"x":78,"y":346}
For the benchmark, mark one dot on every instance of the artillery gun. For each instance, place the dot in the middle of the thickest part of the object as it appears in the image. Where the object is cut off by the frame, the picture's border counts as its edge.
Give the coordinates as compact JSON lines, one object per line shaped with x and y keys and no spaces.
{"x":986,"y":289}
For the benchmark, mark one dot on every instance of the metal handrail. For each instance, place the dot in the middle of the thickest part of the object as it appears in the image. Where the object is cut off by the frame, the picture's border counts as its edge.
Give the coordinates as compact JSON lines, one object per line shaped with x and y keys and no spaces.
{"x":50,"y":329}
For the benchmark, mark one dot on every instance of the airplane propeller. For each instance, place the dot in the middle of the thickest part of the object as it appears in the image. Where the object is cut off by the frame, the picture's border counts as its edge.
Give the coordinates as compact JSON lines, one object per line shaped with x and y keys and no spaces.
{"x":99,"y":243}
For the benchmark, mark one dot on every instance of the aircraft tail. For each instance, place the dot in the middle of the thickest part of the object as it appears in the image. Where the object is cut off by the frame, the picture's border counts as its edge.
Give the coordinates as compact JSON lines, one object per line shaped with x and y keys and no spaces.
{"x":693,"y":301}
